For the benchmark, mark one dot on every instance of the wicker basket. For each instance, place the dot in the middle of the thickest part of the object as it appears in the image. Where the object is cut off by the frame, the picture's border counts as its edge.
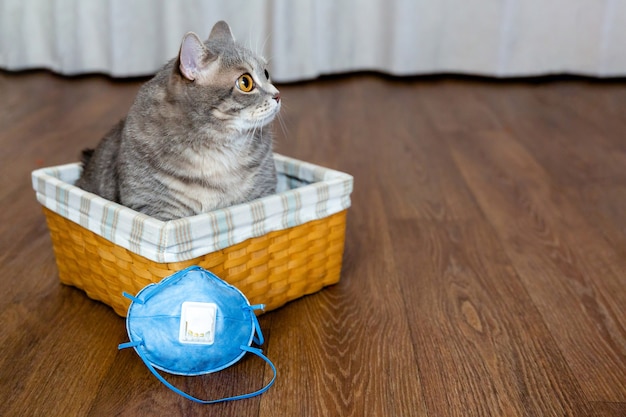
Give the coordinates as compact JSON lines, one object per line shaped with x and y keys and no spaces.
{"x":273,"y":268}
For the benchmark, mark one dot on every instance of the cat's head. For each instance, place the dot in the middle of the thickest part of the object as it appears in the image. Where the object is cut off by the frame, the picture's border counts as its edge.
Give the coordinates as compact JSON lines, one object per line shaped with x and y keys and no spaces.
{"x":227,"y":80}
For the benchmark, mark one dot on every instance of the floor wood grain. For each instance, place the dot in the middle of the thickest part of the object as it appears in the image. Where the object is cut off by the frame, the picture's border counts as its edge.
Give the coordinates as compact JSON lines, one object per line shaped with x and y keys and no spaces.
{"x":484,"y":273}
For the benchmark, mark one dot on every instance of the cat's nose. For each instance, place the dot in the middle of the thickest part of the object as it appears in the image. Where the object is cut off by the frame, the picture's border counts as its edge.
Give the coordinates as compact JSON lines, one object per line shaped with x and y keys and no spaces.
{"x":277,"y":97}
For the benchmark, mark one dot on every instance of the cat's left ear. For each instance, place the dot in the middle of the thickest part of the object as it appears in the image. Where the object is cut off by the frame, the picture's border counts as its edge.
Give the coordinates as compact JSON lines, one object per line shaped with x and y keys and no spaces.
{"x":193,"y":57}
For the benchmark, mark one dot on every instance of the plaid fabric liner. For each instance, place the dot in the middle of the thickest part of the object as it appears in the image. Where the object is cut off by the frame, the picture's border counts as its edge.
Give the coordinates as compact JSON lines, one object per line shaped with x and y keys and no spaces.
{"x":305,"y":192}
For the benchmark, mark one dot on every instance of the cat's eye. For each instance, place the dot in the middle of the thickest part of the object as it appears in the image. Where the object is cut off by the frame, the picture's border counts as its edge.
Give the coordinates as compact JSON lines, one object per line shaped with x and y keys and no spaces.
{"x":267,"y":75}
{"x":245,"y":83}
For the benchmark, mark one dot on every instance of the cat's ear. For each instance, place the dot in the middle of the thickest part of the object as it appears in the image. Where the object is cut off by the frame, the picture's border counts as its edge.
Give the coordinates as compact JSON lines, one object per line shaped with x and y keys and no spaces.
{"x":193,"y":56}
{"x":222,"y":31}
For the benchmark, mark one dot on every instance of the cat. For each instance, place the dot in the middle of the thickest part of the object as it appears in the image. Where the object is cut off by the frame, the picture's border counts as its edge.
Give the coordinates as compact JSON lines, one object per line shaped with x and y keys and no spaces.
{"x":195,"y":138}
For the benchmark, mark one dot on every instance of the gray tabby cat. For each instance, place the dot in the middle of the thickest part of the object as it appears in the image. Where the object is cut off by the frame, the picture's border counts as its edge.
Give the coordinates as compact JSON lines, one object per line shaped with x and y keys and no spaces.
{"x":194,"y":139}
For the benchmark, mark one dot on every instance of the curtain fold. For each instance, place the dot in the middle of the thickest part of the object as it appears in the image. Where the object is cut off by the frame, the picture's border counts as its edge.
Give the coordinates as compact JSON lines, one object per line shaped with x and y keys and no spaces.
{"x":307,"y":38}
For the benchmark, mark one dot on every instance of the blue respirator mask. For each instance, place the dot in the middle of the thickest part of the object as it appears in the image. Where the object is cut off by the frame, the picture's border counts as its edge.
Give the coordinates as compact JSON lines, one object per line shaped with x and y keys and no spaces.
{"x":193,"y":323}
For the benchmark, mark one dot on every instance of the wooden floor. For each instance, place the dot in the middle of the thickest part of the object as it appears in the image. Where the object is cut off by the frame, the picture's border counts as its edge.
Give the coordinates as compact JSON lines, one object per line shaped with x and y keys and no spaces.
{"x":484,"y":273}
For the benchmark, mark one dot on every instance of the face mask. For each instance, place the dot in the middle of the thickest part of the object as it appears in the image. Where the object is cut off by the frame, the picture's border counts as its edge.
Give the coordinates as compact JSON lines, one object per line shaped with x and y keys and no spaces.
{"x":193,"y":323}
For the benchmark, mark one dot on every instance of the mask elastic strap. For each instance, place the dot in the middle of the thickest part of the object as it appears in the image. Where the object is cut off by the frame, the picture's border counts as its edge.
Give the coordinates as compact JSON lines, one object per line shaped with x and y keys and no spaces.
{"x":258,"y":335}
{"x":132,"y":298}
{"x":255,"y":351}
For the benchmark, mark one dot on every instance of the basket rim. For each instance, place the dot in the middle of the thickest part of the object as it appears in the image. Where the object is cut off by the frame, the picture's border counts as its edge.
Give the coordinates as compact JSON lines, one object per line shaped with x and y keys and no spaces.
{"x":325,"y":192}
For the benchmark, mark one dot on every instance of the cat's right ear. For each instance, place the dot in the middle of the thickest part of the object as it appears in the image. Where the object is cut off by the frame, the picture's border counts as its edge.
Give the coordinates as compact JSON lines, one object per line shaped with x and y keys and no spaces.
{"x":193,"y":56}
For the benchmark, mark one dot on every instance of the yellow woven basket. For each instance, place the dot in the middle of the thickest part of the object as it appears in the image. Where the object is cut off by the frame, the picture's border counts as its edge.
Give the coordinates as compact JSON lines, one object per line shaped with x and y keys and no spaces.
{"x":273,"y":249}
{"x":272,"y":269}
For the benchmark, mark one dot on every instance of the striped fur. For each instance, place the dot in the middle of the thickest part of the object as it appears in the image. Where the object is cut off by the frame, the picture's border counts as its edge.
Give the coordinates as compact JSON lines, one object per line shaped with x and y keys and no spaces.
{"x":193,"y":141}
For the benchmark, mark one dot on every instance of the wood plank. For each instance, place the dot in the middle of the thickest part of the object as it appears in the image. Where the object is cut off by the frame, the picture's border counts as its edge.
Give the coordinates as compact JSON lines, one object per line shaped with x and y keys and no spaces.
{"x":481,"y":345}
{"x":572,"y":275}
{"x":598,"y":106}
{"x":604,"y":206}
{"x":58,"y":348}
{"x":463,"y":297}
{"x":604,"y":409}
{"x":572,"y":153}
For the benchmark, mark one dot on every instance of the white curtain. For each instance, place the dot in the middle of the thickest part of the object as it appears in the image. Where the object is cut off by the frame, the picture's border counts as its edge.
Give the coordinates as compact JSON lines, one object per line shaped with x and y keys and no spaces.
{"x":307,"y":38}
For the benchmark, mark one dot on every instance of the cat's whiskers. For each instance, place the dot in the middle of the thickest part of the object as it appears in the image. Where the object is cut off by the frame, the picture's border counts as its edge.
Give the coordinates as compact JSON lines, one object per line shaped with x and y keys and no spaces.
{"x":283,"y":125}
{"x":280,"y":117}
{"x":267,"y":38}
{"x":261,"y":130}
{"x":252,"y":132}
{"x":250,"y":40}
{"x":255,"y":126}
